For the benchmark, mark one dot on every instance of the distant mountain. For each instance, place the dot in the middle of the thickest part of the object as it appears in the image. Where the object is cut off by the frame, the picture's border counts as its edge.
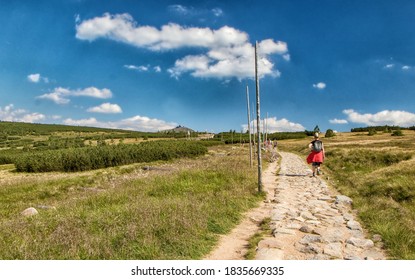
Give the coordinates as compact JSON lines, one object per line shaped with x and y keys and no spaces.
{"x":178,"y":129}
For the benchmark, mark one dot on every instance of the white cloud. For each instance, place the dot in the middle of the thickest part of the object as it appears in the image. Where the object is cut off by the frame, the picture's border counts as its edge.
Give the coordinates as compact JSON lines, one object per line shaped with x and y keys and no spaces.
{"x":106,"y":108}
{"x":389,"y":66}
{"x":131,"y":67}
{"x":320,"y":85}
{"x":36,"y":78}
{"x":217,"y":12}
{"x":274,"y":125}
{"x":137,"y":123}
{"x":228,"y":50}
{"x":406,"y":67}
{"x":337,"y":121}
{"x":8,"y":113}
{"x":143,"y":68}
{"x":180,"y":9}
{"x":60,"y":95}
{"x":386,"y":117}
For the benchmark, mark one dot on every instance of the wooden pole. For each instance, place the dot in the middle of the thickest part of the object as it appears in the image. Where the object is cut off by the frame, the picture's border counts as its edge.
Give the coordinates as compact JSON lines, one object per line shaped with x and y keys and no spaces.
{"x":249,"y":126}
{"x":258,"y":119}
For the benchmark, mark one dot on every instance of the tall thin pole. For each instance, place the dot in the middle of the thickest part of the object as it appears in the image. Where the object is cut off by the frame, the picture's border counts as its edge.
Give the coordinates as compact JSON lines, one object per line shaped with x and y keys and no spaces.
{"x":266,"y":128}
{"x":258,"y":120}
{"x":249,"y":126}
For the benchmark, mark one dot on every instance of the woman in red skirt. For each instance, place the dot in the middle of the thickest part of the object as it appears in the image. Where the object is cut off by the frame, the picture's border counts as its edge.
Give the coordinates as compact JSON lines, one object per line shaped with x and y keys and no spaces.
{"x":316,"y":157}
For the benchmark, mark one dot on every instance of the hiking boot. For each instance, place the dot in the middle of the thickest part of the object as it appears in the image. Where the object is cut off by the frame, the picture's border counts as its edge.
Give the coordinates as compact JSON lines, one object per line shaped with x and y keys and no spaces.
{"x":319,"y":172}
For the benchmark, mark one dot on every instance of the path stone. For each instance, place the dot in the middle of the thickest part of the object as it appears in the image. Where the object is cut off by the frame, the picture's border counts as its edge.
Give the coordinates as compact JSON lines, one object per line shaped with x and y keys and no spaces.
{"x":310,"y":221}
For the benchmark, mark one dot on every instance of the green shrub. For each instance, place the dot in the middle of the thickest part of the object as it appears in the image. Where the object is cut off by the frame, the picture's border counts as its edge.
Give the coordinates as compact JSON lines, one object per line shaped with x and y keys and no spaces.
{"x":329,"y":133}
{"x":89,"y":158}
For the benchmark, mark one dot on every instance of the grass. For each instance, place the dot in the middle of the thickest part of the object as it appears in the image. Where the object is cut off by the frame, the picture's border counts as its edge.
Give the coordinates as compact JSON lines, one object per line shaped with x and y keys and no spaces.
{"x":377,"y":172}
{"x":264,"y":229}
{"x":127,"y":213}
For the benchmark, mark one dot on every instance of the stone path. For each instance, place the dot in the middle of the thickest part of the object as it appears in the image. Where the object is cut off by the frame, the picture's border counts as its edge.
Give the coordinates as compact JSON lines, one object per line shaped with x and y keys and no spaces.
{"x":310,"y":221}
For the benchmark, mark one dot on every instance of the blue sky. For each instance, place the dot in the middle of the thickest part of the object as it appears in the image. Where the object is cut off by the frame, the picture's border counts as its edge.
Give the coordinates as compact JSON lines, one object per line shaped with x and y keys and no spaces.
{"x":153,"y":65}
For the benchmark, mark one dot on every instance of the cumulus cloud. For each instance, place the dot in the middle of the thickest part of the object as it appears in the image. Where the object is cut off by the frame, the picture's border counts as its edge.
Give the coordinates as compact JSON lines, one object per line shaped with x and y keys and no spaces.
{"x":386,"y":117}
{"x":227,"y":51}
{"x":275,"y":125}
{"x":137,"y":123}
{"x":337,"y":121}
{"x":36,"y":78}
{"x":9,"y":113}
{"x":106,"y":108}
{"x":320,"y":85}
{"x":61,"y":95}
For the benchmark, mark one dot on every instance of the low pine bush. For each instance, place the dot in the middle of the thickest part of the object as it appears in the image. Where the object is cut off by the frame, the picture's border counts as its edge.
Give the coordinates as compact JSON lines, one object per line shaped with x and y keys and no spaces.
{"x":89,"y":158}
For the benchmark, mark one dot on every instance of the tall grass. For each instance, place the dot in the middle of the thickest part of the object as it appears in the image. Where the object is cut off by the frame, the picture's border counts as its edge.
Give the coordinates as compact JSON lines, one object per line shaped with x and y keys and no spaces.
{"x":174,"y":214}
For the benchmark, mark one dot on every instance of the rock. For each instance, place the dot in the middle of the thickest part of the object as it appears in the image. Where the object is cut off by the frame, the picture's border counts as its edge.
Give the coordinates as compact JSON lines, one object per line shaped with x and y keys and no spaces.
{"x":377,"y":238}
{"x":269,"y":254}
{"x":361,"y":243}
{"x":309,"y":238}
{"x":333,"y":235}
{"x":293,"y":226}
{"x":306,"y":229}
{"x":334,"y":250}
{"x":343,"y":199}
{"x":348,"y":217}
{"x":269,"y":243}
{"x":30,"y":212}
{"x":320,"y":257}
{"x":307,"y":216}
{"x":284,"y":231}
{"x":353,"y":225}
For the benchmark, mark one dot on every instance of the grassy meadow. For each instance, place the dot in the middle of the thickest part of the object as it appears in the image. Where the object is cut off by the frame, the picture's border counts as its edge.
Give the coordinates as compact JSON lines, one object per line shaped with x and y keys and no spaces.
{"x":174,"y":210}
{"x":378,"y":173}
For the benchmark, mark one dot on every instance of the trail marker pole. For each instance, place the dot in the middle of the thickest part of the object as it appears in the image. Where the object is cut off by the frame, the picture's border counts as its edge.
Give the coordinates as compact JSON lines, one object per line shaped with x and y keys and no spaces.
{"x":249,"y":126}
{"x":258,"y":120}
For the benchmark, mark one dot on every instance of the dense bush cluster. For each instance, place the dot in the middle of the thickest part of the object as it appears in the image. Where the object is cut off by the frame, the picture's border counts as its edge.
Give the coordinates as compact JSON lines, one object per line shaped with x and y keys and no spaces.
{"x":88,"y":158}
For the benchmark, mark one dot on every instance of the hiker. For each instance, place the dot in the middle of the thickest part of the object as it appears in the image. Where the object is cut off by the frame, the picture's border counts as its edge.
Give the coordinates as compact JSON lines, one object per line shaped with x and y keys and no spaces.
{"x":316,"y":157}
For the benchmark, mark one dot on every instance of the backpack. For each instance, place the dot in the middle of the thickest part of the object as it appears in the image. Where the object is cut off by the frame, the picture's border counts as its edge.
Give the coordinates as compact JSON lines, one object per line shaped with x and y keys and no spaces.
{"x":317,"y":146}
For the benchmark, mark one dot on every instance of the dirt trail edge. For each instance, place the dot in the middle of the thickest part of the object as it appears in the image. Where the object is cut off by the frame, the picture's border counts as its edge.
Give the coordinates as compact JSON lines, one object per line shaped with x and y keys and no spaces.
{"x":309,"y":221}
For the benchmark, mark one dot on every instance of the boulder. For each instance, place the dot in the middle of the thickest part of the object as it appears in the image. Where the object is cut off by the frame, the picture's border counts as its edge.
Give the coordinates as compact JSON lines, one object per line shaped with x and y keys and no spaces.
{"x":30,"y":212}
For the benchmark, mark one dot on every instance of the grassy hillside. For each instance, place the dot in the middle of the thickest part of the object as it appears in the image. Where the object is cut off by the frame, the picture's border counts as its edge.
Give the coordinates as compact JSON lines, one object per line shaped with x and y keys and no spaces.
{"x":377,"y":171}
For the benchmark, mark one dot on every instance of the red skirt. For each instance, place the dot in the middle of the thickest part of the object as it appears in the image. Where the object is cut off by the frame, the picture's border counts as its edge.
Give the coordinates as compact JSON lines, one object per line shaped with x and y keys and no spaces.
{"x":315,"y":157}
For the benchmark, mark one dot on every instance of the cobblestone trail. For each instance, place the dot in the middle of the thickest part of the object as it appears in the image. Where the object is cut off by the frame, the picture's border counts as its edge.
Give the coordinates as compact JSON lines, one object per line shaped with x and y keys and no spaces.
{"x":310,"y":221}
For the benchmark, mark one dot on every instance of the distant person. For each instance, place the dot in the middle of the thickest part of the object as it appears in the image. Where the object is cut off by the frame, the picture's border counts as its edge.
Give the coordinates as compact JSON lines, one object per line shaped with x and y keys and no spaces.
{"x":317,"y":155}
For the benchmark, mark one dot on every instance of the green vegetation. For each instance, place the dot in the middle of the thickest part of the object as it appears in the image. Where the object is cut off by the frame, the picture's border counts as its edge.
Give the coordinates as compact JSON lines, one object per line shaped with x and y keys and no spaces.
{"x":89,"y":158}
{"x":329,"y":133}
{"x":126,"y":212}
{"x":234,"y":137}
{"x":377,"y":172}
